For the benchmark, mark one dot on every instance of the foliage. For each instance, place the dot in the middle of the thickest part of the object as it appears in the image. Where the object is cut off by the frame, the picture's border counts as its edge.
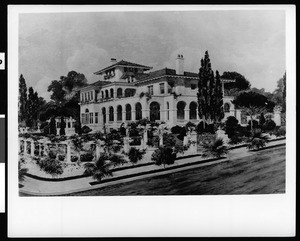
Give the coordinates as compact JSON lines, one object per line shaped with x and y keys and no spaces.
{"x":61,"y":157}
{"x":50,"y":166}
{"x":258,"y":140}
{"x":52,"y":126}
{"x":78,"y":127}
{"x":210,"y":128}
{"x":86,"y":129}
{"x":74,"y":158}
{"x":116,"y":160}
{"x":231,"y":126}
{"x":269,"y":125}
{"x":241,"y":83}
{"x":215,"y":148}
{"x":86,"y":157}
{"x":153,"y":141}
{"x":281,"y":131}
{"x":52,"y":154}
{"x":22,"y":99}
{"x":176,"y":129}
{"x":136,"y":141}
{"x":217,"y":102}
{"x":210,"y":95}
{"x":77,"y":142}
{"x":262,"y":119}
{"x":190,"y":126}
{"x":182,"y":134}
{"x":62,"y":126}
{"x":99,"y":169}
{"x":135,"y":155}
{"x":163,"y":156}
{"x":253,"y":104}
{"x":22,"y":172}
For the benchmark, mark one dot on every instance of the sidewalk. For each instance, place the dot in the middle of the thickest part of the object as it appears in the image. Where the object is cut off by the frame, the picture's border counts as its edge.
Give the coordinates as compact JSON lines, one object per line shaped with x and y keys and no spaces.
{"x":40,"y":188}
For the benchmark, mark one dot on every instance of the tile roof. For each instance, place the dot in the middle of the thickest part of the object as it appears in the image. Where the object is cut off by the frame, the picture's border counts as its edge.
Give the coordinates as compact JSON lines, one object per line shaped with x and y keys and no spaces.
{"x":125,"y":64}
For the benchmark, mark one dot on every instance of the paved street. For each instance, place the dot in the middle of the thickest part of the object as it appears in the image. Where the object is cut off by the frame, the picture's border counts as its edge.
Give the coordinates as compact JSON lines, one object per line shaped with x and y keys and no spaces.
{"x":262,"y":172}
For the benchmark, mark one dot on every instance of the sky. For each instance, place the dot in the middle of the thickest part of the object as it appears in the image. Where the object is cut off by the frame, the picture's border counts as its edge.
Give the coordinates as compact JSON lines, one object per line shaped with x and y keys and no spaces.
{"x":249,"y":42}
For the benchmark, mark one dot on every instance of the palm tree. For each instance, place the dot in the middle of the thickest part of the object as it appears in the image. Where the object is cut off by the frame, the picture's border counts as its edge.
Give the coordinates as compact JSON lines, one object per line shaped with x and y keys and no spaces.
{"x":215,"y":148}
{"x":99,"y":169}
{"x":258,"y":140}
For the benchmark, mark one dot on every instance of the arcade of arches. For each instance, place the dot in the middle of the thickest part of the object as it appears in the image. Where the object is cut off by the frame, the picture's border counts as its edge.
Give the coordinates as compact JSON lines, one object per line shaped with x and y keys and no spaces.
{"x":130,"y":112}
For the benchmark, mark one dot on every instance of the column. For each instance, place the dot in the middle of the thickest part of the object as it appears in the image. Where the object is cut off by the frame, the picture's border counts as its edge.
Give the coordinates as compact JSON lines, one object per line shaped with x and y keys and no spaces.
{"x":40,"y":149}
{"x":25,"y":147}
{"x":126,"y":144}
{"x":32,"y":148}
{"x":186,"y":114}
{"x":197,"y":113}
{"x":123,"y":116}
{"x":193,"y":146}
{"x":146,"y":113}
{"x":133,"y":115}
{"x":68,"y":151}
{"x":161,"y":140}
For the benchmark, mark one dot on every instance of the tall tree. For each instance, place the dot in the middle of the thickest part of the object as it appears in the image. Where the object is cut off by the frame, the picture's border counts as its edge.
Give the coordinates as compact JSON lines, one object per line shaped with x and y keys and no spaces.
{"x":64,"y":98}
{"x":34,"y":105}
{"x":22,"y":99}
{"x":210,"y":95}
{"x":219,"y":110}
{"x":206,"y":76}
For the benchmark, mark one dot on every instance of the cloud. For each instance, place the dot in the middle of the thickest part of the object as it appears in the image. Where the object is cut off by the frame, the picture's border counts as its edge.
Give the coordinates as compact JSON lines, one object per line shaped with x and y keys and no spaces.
{"x":42,"y":86}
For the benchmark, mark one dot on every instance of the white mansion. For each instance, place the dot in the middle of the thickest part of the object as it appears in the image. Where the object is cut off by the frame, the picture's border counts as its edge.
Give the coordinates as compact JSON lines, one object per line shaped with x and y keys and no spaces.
{"x":127,"y":92}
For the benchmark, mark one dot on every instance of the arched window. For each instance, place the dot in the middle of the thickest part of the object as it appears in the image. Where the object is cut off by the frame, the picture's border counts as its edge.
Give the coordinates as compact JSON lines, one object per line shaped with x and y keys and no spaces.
{"x":104,"y":115}
{"x":180,"y":110}
{"x":111,"y":113}
{"x":119,"y":113}
{"x":168,"y":113}
{"x":138,"y":111}
{"x":119,"y":92}
{"x":106,"y":94}
{"x":128,"y":111}
{"x":111,"y":93}
{"x":226,"y":107}
{"x":154,"y":111}
{"x":193,"y":110}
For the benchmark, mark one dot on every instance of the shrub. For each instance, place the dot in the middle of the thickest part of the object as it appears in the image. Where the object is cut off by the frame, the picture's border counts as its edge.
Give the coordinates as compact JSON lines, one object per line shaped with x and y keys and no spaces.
{"x":182,"y":134}
{"x":281,"y":131}
{"x":74,"y":158}
{"x":136,"y":141}
{"x":209,"y":128}
{"x":61,"y":157}
{"x":176,"y":129}
{"x":22,"y":172}
{"x":52,"y":154}
{"x":86,"y":129}
{"x":86,"y":157}
{"x":258,"y":140}
{"x":190,"y":126}
{"x":50,"y":166}
{"x":269,"y":125}
{"x":135,"y":155}
{"x":163,"y":155}
{"x":116,"y":160}
{"x":215,"y":148}
{"x":231,"y":127}
{"x":154,"y":141}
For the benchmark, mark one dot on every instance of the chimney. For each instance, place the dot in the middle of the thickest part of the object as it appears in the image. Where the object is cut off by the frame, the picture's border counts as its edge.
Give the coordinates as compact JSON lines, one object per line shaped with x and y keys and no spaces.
{"x":113,"y":60}
{"x":180,"y":64}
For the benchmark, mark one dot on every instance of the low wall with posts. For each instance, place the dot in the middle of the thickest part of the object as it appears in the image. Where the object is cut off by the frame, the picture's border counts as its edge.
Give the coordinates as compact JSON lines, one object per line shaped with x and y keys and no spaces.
{"x":41,"y":148}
